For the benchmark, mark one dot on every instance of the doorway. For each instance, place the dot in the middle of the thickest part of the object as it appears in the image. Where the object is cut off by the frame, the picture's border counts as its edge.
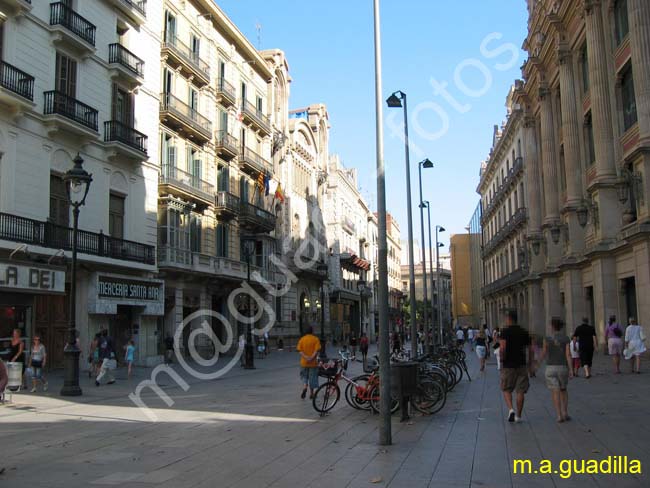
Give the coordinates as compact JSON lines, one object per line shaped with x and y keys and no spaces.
{"x":628,"y":285}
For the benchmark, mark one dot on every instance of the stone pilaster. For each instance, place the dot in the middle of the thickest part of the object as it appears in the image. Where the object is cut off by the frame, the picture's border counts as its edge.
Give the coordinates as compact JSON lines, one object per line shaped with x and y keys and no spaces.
{"x":552,"y":302}
{"x":535,"y":308}
{"x":574,"y":299}
{"x":531,"y":165}
{"x":606,"y":288}
{"x":549,"y":163}
{"x":639,"y":18}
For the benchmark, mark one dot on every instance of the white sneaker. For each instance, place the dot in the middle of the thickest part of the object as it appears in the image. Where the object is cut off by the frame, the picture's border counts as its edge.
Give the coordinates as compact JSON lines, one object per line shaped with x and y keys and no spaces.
{"x":33,"y":390}
{"x":511,"y":416}
{"x":517,"y":419}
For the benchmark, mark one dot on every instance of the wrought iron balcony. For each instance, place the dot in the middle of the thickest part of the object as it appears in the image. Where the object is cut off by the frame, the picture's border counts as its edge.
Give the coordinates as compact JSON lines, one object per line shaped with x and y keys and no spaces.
{"x":226,"y":93}
{"x":348,"y":225}
{"x":46,"y":234}
{"x":256,"y":117}
{"x":136,"y":10}
{"x":505,"y":282}
{"x":226,"y":205}
{"x":226,"y":145}
{"x":185,"y":184}
{"x":16,"y":81}
{"x":518,"y":219}
{"x":58,"y":103}
{"x":252,"y":163}
{"x":256,"y":219}
{"x":180,"y":55}
{"x":61,"y":14}
{"x":116,"y":131}
{"x":183,"y":118}
{"x":118,"y":54}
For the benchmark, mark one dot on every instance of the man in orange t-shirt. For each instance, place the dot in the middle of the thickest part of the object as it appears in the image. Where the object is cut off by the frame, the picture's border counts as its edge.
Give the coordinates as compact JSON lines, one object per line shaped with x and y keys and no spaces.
{"x":308,"y":347}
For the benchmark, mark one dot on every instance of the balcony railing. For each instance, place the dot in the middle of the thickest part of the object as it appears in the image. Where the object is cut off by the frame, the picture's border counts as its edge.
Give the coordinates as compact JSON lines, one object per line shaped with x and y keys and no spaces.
{"x":186,"y":54}
{"x":17,"y":81}
{"x":517,"y":219}
{"x":138,"y":6}
{"x":256,"y":162}
{"x":122,"y":56}
{"x":226,"y":203}
{"x":256,"y":115}
{"x":20,"y":229}
{"x":226,"y":143}
{"x":116,"y":131}
{"x":255,"y":217}
{"x":226,"y":90}
{"x":504,"y":282}
{"x":498,"y":197}
{"x":188,"y":115}
{"x":61,"y":14}
{"x":61,"y":104}
{"x":193,"y":184}
{"x":348,"y":225}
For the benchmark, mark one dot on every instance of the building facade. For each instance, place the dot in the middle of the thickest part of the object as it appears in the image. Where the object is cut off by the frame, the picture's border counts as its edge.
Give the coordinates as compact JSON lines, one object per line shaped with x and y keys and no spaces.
{"x":395,"y":294}
{"x":584,"y":124}
{"x":461,"y":281}
{"x":442,"y":290}
{"x":477,"y":269}
{"x":73,"y":81}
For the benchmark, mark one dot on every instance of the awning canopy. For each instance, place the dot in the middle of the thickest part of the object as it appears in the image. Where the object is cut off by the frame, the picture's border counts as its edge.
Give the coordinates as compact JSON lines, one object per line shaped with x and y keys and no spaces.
{"x":354,"y":263}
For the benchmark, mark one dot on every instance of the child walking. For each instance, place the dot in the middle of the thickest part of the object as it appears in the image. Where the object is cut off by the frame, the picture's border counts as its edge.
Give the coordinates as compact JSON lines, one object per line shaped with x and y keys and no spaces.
{"x":575,"y":355}
{"x":130,"y":351}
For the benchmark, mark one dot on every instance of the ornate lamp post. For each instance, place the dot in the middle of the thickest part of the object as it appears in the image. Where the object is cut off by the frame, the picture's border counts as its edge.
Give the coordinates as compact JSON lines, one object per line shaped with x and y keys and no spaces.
{"x":322,"y":269}
{"x":77,"y":182}
{"x":248,"y":248}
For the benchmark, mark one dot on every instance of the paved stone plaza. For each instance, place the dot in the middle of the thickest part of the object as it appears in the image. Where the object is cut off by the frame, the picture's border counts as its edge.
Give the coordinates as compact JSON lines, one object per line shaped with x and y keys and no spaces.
{"x":250,"y":429}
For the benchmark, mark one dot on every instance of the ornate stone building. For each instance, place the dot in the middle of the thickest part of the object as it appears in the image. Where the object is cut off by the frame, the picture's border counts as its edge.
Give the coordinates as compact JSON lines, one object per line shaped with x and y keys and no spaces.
{"x":584,"y":117}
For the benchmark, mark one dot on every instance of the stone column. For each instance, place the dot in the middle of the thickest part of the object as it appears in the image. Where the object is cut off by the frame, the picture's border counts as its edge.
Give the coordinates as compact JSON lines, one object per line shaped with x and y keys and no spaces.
{"x":535,"y":308}
{"x":606,"y":287}
{"x":639,"y":17}
{"x":552,"y":302}
{"x":549,"y":163}
{"x":531,"y":168}
{"x":574,"y":298}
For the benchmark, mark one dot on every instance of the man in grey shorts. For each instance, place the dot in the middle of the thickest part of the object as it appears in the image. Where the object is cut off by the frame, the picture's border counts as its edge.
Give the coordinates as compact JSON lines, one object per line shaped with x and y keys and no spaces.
{"x":558,"y":368}
{"x":513,"y":343}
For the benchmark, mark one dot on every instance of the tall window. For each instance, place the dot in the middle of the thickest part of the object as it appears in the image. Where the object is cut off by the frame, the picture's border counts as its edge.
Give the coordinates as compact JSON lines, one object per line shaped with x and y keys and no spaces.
{"x":116,"y":216}
{"x":122,"y":106}
{"x":244,"y":93}
{"x":222,"y":240}
{"x":195,"y":44}
{"x":66,"y":75}
{"x":589,"y":138}
{"x":259,"y":104}
{"x":167,"y":151}
{"x":621,"y":24}
{"x":195,"y":232}
{"x":59,"y":205}
{"x":628,"y":98}
{"x":223,"y":178}
{"x":584,"y":64}
{"x":193,"y":100}
{"x":168,"y":81}
{"x":170,"y":28}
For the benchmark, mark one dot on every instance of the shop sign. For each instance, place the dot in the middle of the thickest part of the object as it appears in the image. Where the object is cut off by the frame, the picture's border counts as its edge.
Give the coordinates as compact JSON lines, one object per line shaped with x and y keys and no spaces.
{"x":32,"y":278}
{"x":122,"y":288}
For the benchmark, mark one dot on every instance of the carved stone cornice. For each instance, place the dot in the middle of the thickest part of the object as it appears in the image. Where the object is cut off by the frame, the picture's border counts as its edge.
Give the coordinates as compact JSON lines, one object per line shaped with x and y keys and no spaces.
{"x":590,"y":5}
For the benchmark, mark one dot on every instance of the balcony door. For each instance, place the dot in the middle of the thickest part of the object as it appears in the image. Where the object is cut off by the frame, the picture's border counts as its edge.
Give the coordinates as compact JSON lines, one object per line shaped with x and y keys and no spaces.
{"x":193,"y":99}
{"x":223,"y":178}
{"x":122,"y":106}
{"x":195,"y":44}
{"x":66,"y":75}
{"x":57,"y":235}
{"x":170,"y":28}
{"x":222,"y":73}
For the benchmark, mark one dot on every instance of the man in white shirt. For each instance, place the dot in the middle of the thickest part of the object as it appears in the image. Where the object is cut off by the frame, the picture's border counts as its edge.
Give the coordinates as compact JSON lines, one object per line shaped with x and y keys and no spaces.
{"x":460,"y":337}
{"x":470,"y":337}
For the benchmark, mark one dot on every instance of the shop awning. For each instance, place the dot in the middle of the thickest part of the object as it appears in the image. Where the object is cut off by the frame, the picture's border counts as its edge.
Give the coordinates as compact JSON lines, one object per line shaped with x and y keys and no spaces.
{"x":354,"y":263}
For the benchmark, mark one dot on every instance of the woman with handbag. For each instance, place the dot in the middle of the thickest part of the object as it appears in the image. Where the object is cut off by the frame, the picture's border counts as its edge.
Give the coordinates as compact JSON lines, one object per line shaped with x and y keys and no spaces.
{"x":614,"y":338}
{"x":37,"y":361}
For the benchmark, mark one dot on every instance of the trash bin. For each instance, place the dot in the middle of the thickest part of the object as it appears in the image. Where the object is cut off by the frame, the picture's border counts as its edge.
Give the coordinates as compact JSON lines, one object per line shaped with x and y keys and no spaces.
{"x":15,"y":376}
{"x":404,"y":379}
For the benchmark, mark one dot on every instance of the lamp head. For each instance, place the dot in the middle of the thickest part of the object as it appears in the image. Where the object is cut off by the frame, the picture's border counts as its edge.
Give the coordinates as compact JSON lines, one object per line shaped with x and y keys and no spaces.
{"x":394,"y":101}
{"x":426,"y":163}
{"x":441,"y":228}
{"x":77,"y":182}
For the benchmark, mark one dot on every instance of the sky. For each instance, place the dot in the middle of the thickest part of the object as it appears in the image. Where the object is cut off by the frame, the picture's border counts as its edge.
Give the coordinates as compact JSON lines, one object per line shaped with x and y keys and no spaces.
{"x":455,"y":61}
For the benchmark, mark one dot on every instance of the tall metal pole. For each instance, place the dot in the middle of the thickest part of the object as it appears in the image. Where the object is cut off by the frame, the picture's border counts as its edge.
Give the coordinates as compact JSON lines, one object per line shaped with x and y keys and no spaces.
{"x":249,"y":351}
{"x":433,"y":288}
{"x":385,"y":436}
{"x":424,"y":261}
{"x":71,"y":352}
{"x":440,"y":289}
{"x":409,"y":210}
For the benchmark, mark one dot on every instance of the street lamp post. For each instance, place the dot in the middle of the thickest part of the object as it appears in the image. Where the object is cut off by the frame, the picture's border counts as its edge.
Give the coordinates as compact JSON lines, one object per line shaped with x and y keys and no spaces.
{"x":433,"y":308}
{"x":322,"y":271}
{"x":249,"y":351}
{"x":77,"y":182}
{"x":424,"y":164}
{"x":395,"y":101}
{"x":440,"y":290}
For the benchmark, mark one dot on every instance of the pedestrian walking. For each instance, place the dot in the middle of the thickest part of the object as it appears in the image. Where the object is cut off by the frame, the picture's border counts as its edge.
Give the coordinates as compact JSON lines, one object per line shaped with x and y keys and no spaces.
{"x":396,"y":343}
{"x":513,"y":344}
{"x":460,"y":338}
{"x":267,"y":349}
{"x":496,"y":346}
{"x":587,"y":344}
{"x":559,"y":368}
{"x":308,"y":347}
{"x":37,"y":361}
{"x":575,"y":356}
{"x":17,"y":354}
{"x":488,"y":336}
{"x":128,"y":357}
{"x":481,"y":349}
{"x":634,"y":344}
{"x":353,"y":344}
{"x":470,"y":337}
{"x":169,"y":349}
{"x":93,"y":356}
{"x":4,"y":380}
{"x":614,"y":338}
{"x":363,"y":347}
{"x":107,"y":358}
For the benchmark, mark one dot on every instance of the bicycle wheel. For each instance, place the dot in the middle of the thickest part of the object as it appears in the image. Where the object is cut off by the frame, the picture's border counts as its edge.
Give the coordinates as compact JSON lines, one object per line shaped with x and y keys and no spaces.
{"x":327,"y":395}
{"x":431,"y":397}
{"x":352,"y":395}
{"x":375,"y":401}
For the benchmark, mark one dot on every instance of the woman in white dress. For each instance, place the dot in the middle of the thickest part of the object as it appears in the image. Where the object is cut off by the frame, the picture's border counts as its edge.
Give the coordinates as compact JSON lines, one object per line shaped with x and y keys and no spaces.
{"x":634,"y":344}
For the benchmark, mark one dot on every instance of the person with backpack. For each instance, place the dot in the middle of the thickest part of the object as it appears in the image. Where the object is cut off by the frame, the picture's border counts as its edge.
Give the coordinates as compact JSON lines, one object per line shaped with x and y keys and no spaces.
{"x":106,"y":358}
{"x":614,"y":338}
